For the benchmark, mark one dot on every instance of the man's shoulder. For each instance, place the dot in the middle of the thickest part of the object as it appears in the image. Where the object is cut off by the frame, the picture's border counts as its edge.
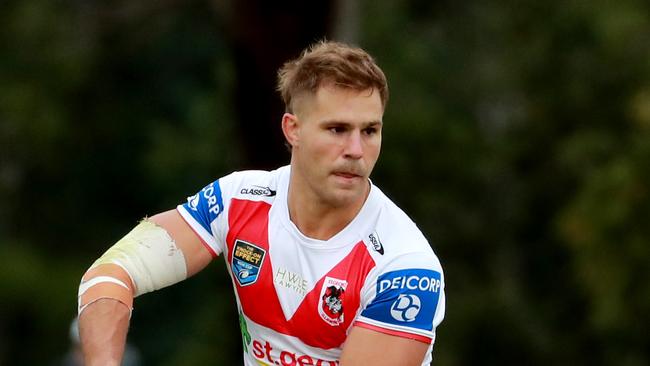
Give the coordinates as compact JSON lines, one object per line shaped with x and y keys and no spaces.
{"x":398,"y":239}
{"x":397,"y":228}
{"x":252,"y":184}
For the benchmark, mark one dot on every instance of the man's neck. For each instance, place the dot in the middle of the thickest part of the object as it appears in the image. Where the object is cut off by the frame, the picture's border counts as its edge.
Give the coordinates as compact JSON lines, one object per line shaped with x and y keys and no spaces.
{"x":317,"y":219}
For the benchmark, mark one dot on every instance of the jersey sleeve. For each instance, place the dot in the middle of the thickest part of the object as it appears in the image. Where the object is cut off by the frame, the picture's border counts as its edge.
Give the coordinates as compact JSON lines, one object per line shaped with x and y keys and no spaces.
{"x":405,"y":298}
{"x":204,"y":213}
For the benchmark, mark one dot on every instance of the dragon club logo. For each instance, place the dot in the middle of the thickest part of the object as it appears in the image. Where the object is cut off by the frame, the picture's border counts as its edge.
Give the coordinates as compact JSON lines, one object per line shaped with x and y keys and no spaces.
{"x":332,"y":298}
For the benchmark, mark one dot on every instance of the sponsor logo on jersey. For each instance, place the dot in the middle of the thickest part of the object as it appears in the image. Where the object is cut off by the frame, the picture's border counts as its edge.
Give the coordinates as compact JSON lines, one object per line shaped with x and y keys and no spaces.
{"x":259,"y":191}
{"x":406,"y":308}
{"x":247,"y":260}
{"x":193,"y":202}
{"x":206,"y":205}
{"x":267,"y":355}
{"x":376,"y":243}
{"x":332,"y":298}
{"x":291,"y":280}
{"x":406,"y":297}
{"x":209,"y":198}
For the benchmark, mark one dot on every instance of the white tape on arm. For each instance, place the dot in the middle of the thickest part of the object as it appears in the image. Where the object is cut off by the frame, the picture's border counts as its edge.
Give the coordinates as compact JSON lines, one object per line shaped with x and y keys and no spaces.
{"x":86,"y":285}
{"x":149,"y":256}
{"x":92,"y":282}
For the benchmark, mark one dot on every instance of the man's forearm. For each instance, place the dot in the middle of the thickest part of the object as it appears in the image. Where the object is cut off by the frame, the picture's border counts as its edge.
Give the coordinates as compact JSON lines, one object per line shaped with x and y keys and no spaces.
{"x":103,"y":326}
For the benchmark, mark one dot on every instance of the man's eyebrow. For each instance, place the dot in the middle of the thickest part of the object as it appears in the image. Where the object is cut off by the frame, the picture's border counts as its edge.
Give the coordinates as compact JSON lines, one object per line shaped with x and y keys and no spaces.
{"x":373,"y":123}
{"x":346,"y":123}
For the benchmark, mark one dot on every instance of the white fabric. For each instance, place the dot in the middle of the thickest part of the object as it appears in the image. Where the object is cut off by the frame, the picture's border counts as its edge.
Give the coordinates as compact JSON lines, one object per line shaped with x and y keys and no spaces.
{"x":389,"y":238}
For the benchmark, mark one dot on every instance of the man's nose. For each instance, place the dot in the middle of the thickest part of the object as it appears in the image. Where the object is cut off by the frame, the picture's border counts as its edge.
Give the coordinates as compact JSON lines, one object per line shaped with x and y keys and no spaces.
{"x":354,"y":146}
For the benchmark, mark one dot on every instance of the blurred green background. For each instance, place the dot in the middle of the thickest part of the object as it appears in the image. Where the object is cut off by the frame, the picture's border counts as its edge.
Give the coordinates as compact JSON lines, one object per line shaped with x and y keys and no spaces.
{"x":517,"y":137}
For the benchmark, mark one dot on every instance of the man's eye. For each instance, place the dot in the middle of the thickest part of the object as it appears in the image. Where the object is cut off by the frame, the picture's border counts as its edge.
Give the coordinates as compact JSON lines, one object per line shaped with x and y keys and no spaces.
{"x":337,"y":129}
{"x":370,"y":131}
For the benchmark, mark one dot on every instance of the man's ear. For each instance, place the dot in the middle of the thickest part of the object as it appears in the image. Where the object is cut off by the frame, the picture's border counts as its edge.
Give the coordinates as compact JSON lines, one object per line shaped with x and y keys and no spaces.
{"x":290,"y":128}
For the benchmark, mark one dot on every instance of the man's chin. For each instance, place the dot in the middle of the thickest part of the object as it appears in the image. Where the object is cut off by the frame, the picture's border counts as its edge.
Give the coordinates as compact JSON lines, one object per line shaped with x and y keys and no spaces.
{"x":347,"y":196}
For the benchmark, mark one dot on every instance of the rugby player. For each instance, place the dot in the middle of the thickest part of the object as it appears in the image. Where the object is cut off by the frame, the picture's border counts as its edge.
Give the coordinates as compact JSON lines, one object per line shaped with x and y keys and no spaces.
{"x":326,"y":270}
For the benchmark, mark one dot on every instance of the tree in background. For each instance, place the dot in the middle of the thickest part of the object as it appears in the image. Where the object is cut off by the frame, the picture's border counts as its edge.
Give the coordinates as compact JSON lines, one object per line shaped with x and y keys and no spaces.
{"x":113,"y":111}
{"x":526,"y":126}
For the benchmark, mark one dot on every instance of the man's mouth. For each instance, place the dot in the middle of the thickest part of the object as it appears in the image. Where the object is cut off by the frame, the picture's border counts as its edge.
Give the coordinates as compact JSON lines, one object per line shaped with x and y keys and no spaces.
{"x":347,"y":175}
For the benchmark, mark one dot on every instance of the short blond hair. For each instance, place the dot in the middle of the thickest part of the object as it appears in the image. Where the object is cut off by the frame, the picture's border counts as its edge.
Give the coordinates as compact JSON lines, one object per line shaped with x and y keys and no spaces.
{"x":330,"y":62}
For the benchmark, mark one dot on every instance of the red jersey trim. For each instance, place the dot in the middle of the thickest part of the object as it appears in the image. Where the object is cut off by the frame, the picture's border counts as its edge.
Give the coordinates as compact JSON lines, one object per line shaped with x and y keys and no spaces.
{"x":392,"y":332}
{"x":206,"y":245}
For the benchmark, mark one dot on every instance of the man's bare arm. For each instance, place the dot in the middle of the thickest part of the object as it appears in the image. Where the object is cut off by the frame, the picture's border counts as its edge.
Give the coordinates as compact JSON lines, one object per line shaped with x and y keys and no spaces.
{"x":103,"y":324}
{"x":368,"y":347}
{"x":102,"y":328}
{"x":196,"y":254}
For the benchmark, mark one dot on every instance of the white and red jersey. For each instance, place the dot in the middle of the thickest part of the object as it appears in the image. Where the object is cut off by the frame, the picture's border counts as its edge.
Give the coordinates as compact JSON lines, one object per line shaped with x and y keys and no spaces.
{"x":299,"y":297}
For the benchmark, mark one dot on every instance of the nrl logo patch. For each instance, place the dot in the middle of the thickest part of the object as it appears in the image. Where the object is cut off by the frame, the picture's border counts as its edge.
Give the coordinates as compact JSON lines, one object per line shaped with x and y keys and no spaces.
{"x":332,"y":297}
{"x":247,"y":260}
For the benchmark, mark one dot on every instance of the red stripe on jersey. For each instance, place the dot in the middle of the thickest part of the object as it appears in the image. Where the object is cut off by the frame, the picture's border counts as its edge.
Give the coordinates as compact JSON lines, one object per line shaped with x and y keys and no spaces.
{"x":248,"y":221}
{"x":393,"y":332}
{"x":307,"y":323}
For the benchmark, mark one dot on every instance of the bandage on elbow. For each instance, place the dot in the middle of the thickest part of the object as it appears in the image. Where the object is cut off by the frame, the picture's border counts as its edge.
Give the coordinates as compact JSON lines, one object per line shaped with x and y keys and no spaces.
{"x":105,"y":281}
{"x":144,"y":260}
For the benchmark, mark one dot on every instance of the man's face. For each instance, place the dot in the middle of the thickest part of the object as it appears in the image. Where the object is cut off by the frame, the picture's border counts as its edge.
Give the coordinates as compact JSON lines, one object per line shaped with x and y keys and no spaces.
{"x":339,"y":138}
